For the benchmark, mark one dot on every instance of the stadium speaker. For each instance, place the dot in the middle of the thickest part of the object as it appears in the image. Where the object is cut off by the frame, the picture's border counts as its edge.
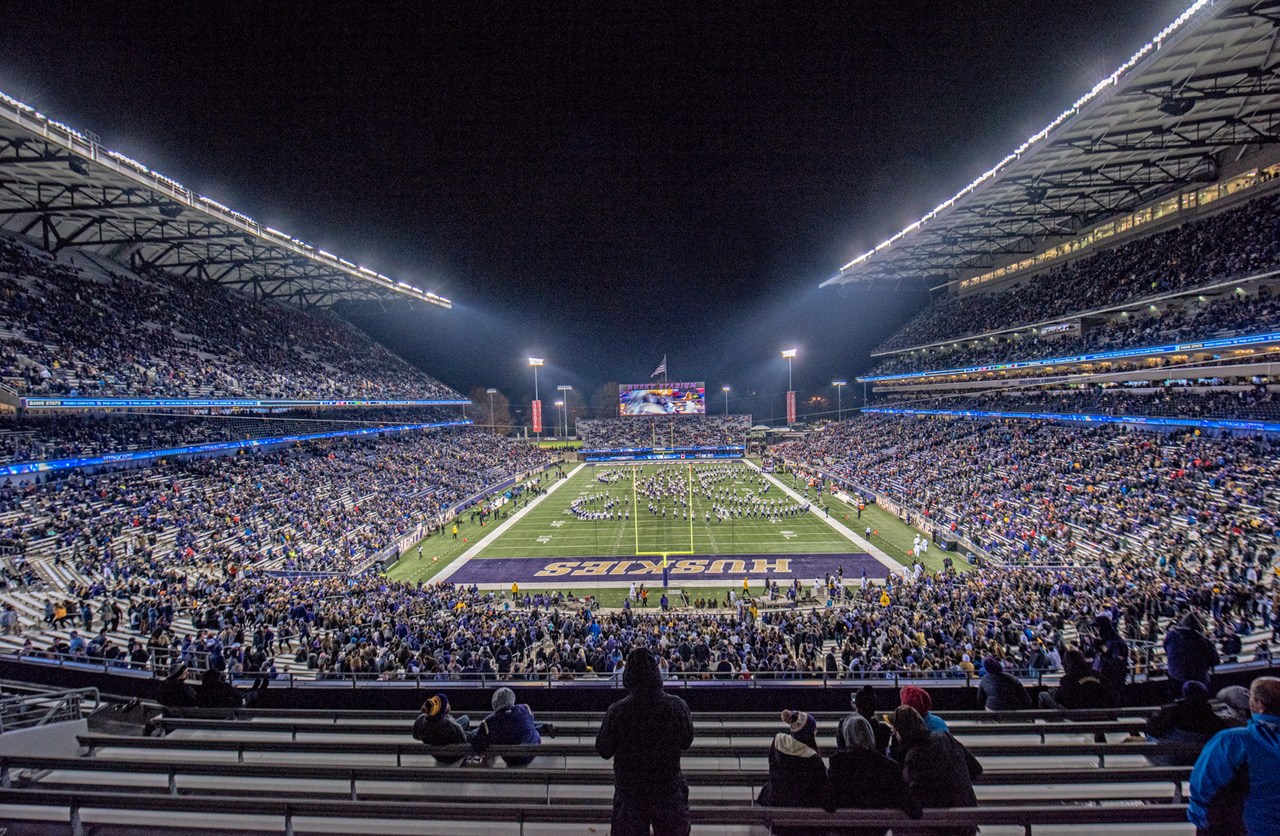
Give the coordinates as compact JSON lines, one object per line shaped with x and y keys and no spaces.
{"x":1175,"y":106}
{"x":170,"y":209}
{"x":1037,"y":194}
{"x":78,"y":166}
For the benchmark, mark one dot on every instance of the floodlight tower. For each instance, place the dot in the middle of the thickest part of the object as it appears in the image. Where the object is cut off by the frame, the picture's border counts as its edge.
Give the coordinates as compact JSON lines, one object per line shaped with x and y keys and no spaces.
{"x":536,"y":362}
{"x":560,"y":404}
{"x":565,"y":412}
{"x":726,"y":399}
{"x":790,"y":355}
{"x":493,"y":424}
{"x":839,"y":384}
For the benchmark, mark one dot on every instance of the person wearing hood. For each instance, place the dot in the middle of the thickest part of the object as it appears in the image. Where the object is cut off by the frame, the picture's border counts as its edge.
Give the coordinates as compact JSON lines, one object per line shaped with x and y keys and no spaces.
{"x":1187,"y":722}
{"x":1110,"y":654}
{"x":1079,"y":687}
{"x":937,"y":767}
{"x":434,"y":727}
{"x":864,"y":706}
{"x":509,"y":725}
{"x":1189,"y":653}
{"x":1235,"y":785}
{"x":1000,"y":691}
{"x":797,"y":774}
{"x":862,"y":778}
{"x":645,"y":733}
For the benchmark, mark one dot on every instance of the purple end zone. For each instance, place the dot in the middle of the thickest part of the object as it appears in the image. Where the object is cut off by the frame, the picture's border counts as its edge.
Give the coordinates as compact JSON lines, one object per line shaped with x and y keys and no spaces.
{"x":697,"y":567}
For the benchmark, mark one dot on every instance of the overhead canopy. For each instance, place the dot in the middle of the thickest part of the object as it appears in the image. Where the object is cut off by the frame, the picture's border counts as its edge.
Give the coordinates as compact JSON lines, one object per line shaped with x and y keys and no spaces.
{"x":1205,"y":91}
{"x":63,"y":188}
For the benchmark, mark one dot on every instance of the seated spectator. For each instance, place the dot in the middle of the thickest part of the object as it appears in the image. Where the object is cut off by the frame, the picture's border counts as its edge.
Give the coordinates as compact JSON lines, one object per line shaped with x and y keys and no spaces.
{"x":434,"y":727}
{"x":174,"y":690}
{"x":862,"y":778}
{"x":1187,"y":722}
{"x":1000,"y":691}
{"x":797,"y":774}
{"x":919,"y":699}
{"x":216,"y":692}
{"x":864,"y":705}
{"x":1235,"y":786}
{"x":509,"y":725}
{"x":938,"y":769}
{"x":1233,"y":702}
{"x":1079,"y":687}
{"x":1189,"y":653}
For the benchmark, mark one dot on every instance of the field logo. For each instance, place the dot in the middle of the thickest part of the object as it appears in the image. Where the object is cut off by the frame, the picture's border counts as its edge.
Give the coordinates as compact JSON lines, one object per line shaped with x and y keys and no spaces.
{"x":628,"y":568}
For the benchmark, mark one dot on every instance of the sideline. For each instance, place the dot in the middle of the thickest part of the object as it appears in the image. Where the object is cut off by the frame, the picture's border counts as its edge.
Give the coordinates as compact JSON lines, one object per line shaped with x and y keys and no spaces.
{"x":460,"y":560}
{"x":879,"y":554}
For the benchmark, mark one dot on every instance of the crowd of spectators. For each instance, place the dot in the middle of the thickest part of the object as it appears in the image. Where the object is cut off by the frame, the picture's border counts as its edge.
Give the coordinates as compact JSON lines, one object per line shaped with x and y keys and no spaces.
{"x":29,"y":437}
{"x":1253,"y":403}
{"x":317,"y":506}
{"x":1040,"y":492}
{"x":1234,"y":242}
{"x":663,"y":431}
{"x":1235,"y":314}
{"x":79,"y":330}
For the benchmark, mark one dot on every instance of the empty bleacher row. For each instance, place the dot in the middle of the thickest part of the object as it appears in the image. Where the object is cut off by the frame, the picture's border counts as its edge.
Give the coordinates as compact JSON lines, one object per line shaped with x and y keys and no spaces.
{"x":1043,"y":772}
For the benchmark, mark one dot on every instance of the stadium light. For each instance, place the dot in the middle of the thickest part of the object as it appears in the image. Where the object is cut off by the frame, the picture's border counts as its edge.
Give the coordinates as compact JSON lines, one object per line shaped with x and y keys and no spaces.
{"x":560,"y":404}
{"x":839,"y":384}
{"x":790,"y":354}
{"x":565,"y":412}
{"x":536,"y":362}
{"x":726,"y":399}
{"x":492,"y":423}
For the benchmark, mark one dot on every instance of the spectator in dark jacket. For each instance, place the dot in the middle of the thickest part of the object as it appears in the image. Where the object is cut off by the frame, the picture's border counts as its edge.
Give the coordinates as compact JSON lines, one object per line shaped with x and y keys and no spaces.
{"x":1110,"y":655}
{"x":434,"y":727}
{"x":1000,"y":691}
{"x":644,"y":733}
{"x":939,"y":770}
{"x":509,"y":725}
{"x":1189,"y":652}
{"x":174,"y":690}
{"x":1080,"y":686}
{"x":861,"y":778}
{"x":1188,"y":722}
{"x":216,"y":692}
{"x":864,"y":705}
{"x":797,"y":774}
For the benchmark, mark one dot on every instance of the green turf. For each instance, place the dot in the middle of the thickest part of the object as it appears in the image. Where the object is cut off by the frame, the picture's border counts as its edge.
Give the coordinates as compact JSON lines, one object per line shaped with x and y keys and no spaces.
{"x":551,"y":530}
{"x":895,"y":537}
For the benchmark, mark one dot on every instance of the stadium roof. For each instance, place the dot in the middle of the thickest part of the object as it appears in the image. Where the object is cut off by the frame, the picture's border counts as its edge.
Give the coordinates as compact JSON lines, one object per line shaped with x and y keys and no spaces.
{"x":1201,"y":93}
{"x":62,"y":187}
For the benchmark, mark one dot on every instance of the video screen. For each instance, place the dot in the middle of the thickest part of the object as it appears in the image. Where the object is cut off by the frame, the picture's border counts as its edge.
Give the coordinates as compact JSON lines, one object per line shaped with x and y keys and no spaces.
{"x":662,"y":399}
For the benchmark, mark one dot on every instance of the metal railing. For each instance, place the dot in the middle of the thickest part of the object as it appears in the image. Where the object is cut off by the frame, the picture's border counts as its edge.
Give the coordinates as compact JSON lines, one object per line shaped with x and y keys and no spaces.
{"x":25,"y":711}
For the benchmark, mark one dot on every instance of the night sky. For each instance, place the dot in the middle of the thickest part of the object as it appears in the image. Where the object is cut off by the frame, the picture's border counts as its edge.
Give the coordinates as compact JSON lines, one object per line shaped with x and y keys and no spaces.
{"x":595,"y":183}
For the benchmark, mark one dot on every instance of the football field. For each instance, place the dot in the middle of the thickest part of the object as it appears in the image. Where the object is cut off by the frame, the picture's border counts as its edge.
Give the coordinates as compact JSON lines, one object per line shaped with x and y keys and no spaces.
{"x":608,"y":525}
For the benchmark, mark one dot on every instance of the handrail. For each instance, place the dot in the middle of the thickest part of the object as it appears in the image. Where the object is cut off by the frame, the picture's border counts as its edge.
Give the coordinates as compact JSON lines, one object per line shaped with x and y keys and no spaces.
{"x":572,"y":727}
{"x":24,"y":711}
{"x":554,"y":748}
{"x":540,"y":774}
{"x":289,"y":809}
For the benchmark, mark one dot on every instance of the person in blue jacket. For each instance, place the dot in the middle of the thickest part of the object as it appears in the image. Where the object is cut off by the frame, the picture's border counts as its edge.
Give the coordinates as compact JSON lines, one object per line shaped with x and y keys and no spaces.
{"x":1235,"y":786}
{"x":510,"y":725}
